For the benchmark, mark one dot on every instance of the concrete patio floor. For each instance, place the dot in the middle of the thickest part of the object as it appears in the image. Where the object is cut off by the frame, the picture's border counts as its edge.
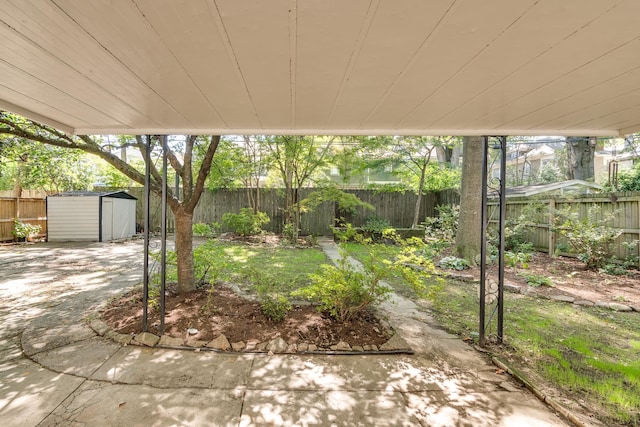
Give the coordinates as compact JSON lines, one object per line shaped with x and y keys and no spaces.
{"x":56,"y":371}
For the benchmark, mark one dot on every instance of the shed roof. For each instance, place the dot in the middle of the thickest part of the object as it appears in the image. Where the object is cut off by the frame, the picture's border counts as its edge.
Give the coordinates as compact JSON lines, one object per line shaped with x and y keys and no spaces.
{"x":439,"y":67}
{"x":112,"y":194}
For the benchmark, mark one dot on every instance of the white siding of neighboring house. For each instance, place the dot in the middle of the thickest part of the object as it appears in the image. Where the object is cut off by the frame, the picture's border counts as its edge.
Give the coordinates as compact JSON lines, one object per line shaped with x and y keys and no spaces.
{"x":72,"y":218}
{"x":124,"y":218}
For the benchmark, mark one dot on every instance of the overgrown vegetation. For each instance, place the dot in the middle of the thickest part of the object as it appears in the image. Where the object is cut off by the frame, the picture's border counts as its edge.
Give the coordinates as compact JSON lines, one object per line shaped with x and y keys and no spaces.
{"x":274,"y":303}
{"x":247,"y":222}
{"x":24,"y":229}
{"x":444,"y":226}
{"x":344,"y":291}
{"x":588,"y":236}
{"x":453,"y":263}
{"x":205,"y":230}
{"x":536,"y":280}
{"x":589,"y":353}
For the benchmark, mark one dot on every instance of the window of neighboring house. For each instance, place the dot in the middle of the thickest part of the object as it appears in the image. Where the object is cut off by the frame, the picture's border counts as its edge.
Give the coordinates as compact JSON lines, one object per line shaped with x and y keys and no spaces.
{"x":544,"y":162}
{"x":527,"y":169}
{"x":334,"y":171}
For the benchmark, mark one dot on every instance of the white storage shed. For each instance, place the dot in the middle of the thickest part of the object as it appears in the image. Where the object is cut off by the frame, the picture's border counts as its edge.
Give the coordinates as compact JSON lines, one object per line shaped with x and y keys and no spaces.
{"x":90,"y":216}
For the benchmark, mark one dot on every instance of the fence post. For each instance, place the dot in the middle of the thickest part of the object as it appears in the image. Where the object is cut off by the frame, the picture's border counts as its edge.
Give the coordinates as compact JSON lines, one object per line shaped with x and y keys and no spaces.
{"x":552,"y":234}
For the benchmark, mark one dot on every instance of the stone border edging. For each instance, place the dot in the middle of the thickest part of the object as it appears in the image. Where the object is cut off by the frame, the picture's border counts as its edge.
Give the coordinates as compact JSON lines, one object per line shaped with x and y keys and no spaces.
{"x":569,"y":415}
{"x":394,"y":345}
{"x":531,"y":291}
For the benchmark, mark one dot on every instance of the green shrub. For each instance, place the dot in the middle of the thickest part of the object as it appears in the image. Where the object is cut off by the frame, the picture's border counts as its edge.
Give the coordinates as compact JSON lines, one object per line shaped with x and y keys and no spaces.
{"x":517,"y":259}
{"x":445,"y":225}
{"x":247,"y":222}
{"x":275,"y":306}
{"x":587,"y":235}
{"x":346,"y":234}
{"x":376,"y":225}
{"x":343,"y":291}
{"x":24,"y":229}
{"x":209,"y":263}
{"x":613,"y":269}
{"x":273,"y":303}
{"x":536,"y":280}
{"x":288,"y":232}
{"x":516,"y":231}
{"x":453,"y":263}
{"x":205,"y":230}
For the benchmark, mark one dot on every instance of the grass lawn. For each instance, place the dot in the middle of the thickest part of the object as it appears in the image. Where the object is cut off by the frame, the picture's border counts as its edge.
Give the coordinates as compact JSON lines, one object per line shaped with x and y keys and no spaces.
{"x":286,"y":268}
{"x":588,"y":353}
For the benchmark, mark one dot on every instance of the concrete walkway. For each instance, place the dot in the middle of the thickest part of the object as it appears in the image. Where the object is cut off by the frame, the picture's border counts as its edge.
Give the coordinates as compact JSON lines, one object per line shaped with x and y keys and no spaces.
{"x":55,"y":371}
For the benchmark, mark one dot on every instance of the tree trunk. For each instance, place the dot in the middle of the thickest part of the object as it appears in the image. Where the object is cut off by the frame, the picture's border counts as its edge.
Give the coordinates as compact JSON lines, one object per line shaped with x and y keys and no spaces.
{"x":184,"y":250}
{"x":469,"y":227}
{"x":416,"y":211}
{"x":581,"y":151}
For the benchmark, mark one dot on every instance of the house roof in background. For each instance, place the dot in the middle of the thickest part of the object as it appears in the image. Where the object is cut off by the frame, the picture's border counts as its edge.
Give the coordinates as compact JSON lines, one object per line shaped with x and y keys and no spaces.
{"x":441,"y":67}
{"x":574,"y":186}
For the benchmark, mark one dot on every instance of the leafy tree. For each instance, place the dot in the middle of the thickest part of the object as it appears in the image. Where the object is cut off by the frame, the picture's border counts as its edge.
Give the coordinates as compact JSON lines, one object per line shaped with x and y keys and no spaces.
{"x":548,"y":173}
{"x":297,"y":159}
{"x":27,"y":164}
{"x":252,"y":164}
{"x":193,"y":181}
{"x":415,"y":153}
{"x":629,"y":180}
{"x":226,"y":166}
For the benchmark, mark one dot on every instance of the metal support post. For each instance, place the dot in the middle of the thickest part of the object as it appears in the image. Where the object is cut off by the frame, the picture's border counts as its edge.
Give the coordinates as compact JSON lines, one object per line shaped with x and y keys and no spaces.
{"x":163,"y":231}
{"x":147,"y":201}
{"x":491,"y":322}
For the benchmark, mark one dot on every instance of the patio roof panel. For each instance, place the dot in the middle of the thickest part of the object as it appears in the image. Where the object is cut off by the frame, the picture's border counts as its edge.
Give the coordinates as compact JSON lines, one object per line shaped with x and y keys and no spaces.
{"x":332,"y":67}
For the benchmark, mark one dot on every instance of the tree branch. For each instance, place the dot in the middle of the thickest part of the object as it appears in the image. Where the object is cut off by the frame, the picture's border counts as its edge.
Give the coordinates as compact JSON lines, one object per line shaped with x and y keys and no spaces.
{"x":190,"y":204}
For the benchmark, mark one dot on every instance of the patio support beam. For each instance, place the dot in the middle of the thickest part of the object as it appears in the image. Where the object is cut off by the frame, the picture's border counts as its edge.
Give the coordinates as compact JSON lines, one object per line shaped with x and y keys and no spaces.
{"x":147,"y":201}
{"x":491,"y":302}
{"x":163,"y":232}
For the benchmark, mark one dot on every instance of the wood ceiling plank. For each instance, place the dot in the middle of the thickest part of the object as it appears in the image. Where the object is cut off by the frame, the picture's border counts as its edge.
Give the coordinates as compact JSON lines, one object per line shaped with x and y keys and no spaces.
{"x":559,"y":112}
{"x":524,"y":40}
{"x":35,"y":88}
{"x":610,"y":114}
{"x":47,"y":114}
{"x":586,"y":45}
{"x":110,"y":86}
{"x":259,"y":35}
{"x":196,"y":43}
{"x":582,"y":79}
{"x":397,"y":32}
{"x":460,"y":36}
{"x":323,"y":57}
{"x":139,"y":48}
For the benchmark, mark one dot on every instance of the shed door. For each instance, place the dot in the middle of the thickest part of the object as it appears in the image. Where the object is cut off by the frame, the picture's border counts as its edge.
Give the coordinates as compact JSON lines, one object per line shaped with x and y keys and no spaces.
{"x":107,"y":220}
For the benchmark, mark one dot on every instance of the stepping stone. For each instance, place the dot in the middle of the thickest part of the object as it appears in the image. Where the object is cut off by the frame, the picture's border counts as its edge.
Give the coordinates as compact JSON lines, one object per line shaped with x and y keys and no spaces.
{"x":168,"y":341}
{"x":277,"y":345}
{"x":220,"y":343}
{"x":619,"y":307}
{"x":563,"y":298}
{"x":147,"y":338}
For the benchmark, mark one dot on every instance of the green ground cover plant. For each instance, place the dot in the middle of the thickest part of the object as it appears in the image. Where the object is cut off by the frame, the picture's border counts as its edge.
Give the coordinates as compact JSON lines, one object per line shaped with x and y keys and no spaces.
{"x":344,"y":290}
{"x":247,"y":222}
{"x":588,"y":353}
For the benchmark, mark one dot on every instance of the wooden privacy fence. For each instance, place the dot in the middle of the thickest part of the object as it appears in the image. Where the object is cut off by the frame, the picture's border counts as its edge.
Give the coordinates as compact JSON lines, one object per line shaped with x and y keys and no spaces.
{"x":624,"y":209}
{"x":27,"y":210}
{"x":396,"y":208}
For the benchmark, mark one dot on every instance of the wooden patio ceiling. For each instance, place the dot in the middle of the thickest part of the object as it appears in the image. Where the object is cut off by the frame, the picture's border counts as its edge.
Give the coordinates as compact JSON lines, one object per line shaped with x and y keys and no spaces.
{"x":439,"y":67}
